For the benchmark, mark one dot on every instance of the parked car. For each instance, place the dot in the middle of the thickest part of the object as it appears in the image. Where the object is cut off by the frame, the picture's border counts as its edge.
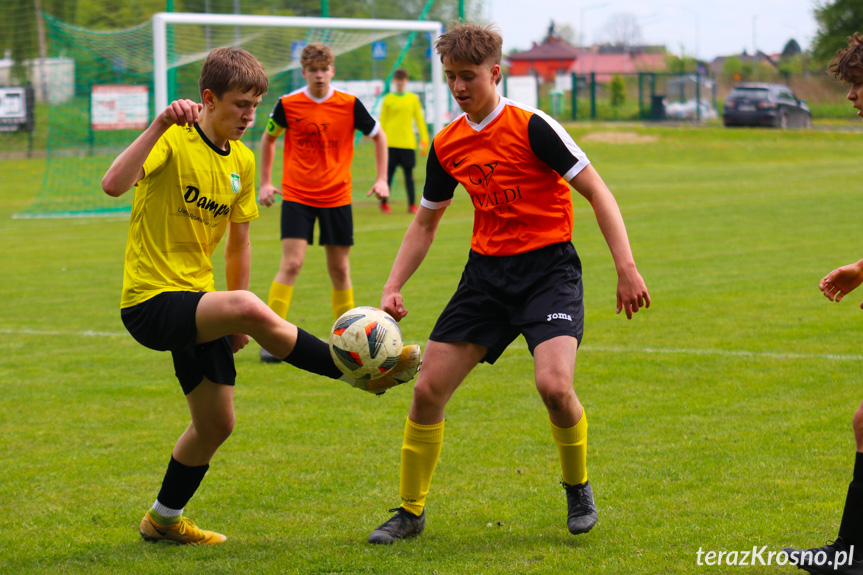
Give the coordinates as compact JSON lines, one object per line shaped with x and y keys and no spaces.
{"x":761,"y":104}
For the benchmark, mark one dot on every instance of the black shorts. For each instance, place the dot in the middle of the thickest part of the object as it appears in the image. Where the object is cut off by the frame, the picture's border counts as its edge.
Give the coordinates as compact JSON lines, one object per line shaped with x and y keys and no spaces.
{"x":537,"y":294}
{"x":404,"y":157}
{"x":337,"y":224}
{"x":166,"y":322}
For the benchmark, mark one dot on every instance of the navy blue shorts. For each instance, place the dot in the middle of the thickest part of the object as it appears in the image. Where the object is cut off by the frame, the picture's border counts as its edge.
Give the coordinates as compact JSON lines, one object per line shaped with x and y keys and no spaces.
{"x":337,"y":224}
{"x":166,"y":322}
{"x":537,"y":294}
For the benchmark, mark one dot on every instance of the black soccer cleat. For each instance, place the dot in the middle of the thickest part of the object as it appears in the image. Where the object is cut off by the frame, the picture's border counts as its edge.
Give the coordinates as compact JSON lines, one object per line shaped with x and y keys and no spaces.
{"x":581,"y":510}
{"x":402,"y":525}
{"x":835,"y":557}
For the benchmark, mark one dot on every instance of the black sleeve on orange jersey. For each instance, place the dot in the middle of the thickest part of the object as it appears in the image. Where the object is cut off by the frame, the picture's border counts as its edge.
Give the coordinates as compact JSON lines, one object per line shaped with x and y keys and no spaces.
{"x":548,"y":146}
{"x":278,"y":114}
{"x":439,"y":186}
{"x":363,"y":121}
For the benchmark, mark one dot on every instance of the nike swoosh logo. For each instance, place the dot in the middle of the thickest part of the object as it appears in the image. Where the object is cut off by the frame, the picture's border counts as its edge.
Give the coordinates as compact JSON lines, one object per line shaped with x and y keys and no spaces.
{"x":457,"y":164}
{"x":159,"y":531}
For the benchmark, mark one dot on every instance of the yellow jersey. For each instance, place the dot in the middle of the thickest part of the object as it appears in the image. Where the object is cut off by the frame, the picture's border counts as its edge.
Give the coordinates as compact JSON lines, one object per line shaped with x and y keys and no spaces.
{"x":181,"y":208}
{"x":398,"y":114}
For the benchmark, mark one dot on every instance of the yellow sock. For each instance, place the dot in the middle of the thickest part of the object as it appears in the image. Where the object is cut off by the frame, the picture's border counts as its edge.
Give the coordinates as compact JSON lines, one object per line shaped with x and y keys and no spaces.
{"x":572,"y":447}
{"x":420,"y":454}
{"x":343,"y":300}
{"x":280,"y":298}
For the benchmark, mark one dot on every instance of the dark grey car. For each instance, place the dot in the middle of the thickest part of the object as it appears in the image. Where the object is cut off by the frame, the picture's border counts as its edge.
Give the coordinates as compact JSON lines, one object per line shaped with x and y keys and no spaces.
{"x":761,"y":104}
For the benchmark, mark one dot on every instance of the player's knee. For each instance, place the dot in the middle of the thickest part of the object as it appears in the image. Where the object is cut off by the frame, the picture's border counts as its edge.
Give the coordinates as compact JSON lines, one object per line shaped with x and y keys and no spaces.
{"x":426,"y":394}
{"x":858,"y":422}
{"x":247,"y":306}
{"x":291,"y":266}
{"x":340,"y":273}
{"x":557,"y":397}
{"x":216,"y":431}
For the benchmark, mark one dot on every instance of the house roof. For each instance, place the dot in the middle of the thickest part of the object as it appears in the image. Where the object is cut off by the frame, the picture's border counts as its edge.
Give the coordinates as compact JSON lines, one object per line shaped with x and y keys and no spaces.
{"x":554,"y":50}
{"x":608,"y":64}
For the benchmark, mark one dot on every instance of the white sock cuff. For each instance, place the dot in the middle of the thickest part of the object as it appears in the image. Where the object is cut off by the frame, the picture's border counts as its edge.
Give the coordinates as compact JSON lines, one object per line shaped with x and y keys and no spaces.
{"x":166,"y":511}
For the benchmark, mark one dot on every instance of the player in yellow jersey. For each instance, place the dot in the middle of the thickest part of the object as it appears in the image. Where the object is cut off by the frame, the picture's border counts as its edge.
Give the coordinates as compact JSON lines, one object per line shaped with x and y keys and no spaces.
{"x":194,"y":181}
{"x":399,"y":112}
{"x":318,"y":122}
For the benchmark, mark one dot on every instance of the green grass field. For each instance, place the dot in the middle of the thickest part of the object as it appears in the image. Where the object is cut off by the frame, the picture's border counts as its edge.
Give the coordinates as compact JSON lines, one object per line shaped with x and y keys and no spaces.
{"x":720,"y":417}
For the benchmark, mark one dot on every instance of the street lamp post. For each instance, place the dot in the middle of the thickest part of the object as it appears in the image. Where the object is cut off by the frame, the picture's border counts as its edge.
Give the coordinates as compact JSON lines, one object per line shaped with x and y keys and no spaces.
{"x":581,"y":29}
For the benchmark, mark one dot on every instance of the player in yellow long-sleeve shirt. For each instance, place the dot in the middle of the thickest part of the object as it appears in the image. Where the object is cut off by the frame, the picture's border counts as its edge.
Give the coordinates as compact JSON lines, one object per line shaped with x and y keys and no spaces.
{"x":400,"y":111}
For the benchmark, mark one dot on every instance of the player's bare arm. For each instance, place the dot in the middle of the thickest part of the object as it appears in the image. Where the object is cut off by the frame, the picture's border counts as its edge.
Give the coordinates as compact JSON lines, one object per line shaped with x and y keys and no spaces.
{"x":632,"y":292}
{"x":415,"y":246}
{"x":128,"y":168}
{"x":380,"y":189}
{"x":238,"y":265}
{"x":268,"y":151}
{"x":841,"y":281}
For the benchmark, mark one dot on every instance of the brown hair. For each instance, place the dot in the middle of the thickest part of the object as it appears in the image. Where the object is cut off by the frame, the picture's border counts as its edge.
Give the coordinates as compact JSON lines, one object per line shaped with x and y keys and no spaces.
{"x":317,"y":55}
{"x":400,"y":74}
{"x":232,"y":69}
{"x":471,"y":43}
{"x":847,"y":65}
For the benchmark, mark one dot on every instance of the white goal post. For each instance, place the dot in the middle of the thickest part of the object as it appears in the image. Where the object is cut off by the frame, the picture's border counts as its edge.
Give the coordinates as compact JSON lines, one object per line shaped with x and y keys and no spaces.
{"x":163,"y":19}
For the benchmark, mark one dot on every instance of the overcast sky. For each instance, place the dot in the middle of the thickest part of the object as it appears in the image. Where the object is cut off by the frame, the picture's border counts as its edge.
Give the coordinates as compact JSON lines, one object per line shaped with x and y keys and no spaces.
{"x":706,"y":29}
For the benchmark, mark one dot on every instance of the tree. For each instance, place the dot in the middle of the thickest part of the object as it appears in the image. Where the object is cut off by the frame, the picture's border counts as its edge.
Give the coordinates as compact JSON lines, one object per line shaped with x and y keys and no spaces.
{"x":791,"y":49}
{"x":617,"y":89}
{"x":622,"y":29}
{"x":836,"y":21}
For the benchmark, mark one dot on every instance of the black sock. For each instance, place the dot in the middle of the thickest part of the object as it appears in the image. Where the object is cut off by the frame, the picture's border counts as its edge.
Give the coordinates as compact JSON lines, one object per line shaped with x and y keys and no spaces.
{"x":858,"y":468}
{"x":851,"y":528}
{"x":313,"y":354}
{"x":180,"y":483}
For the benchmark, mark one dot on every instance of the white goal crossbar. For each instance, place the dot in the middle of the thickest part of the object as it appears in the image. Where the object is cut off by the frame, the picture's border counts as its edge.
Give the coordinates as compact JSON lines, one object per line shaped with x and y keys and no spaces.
{"x":160,"y":43}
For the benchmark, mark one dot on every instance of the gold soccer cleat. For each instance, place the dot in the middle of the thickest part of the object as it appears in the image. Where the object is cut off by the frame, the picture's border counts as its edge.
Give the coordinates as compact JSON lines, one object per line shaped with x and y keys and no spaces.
{"x":404,"y":371}
{"x":184,"y":532}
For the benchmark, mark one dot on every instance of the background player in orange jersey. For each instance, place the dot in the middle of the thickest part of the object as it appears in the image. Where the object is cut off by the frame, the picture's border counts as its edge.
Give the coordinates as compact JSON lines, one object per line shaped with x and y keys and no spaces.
{"x":523,"y":275}
{"x":319,"y":123}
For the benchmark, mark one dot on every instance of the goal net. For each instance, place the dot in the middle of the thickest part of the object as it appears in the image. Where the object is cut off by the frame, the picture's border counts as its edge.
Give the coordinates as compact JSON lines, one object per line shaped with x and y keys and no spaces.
{"x":102,"y":88}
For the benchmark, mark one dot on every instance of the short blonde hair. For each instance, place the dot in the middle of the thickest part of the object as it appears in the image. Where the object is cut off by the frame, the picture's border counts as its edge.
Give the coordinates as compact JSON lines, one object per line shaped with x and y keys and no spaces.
{"x":847,"y":65}
{"x":317,"y":55}
{"x":227,"y":69}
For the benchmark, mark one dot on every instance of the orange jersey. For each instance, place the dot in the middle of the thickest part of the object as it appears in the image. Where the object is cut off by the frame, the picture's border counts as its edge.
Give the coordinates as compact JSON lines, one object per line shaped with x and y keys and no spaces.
{"x":515,"y":166}
{"x":319,"y":145}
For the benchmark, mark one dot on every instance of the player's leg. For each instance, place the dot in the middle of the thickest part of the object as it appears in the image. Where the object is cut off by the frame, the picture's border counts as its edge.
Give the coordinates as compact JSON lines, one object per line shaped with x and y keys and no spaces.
{"x":337,"y":236}
{"x":207,"y":374}
{"x":224,"y":313}
{"x":392,"y":156}
{"x":290,"y":266}
{"x":554,"y":369}
{"x":297,"y":227}
{"x":408,"y":163}
{"x":339,"y":268}
{"x":445,"y":367}
{"x":837,"y":555}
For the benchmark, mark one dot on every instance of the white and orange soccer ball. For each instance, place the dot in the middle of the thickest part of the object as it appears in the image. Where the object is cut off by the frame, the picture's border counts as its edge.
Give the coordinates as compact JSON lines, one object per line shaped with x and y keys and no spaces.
{"x":365,"y":343}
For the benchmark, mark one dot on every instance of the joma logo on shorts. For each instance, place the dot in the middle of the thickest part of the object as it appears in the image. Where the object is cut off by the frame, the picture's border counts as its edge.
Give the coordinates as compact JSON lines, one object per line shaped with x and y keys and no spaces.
{"x":552,"y":316}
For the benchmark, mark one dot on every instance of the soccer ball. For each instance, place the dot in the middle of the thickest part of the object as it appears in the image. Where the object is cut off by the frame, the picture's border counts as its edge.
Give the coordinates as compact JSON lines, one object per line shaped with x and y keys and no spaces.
{"x":365,"y":343}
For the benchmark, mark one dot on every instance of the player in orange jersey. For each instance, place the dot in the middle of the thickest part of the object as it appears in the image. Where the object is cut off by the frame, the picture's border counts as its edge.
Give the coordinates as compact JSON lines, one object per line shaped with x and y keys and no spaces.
{"x":318,"y":122}
{"x":523,"y":275}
